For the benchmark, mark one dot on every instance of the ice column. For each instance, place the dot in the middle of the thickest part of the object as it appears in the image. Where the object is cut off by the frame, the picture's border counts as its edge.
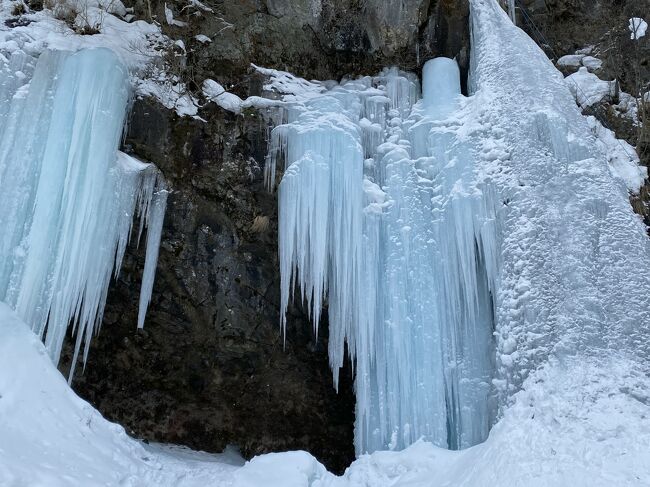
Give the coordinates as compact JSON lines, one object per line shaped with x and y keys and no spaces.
{"x":390,"y":241}
{"x":66,"y":202}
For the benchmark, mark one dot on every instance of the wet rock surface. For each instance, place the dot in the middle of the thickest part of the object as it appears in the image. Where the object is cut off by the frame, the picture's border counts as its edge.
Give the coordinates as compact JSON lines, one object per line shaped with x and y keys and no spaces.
{"x":211,"y":367}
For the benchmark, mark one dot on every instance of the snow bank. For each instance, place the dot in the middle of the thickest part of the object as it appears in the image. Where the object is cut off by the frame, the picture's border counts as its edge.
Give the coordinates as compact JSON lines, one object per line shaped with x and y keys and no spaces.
{"x":638,"y":28}
{"x":50,"y":437}
{"x":588,"y":89}
{"x":213,"y":91}
{"x":584,"y":423}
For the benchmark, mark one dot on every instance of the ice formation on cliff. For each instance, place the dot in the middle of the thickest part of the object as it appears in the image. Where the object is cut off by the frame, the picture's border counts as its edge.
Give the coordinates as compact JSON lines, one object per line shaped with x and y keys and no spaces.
{"x":67,"y":197}
{"x":459,"y":242}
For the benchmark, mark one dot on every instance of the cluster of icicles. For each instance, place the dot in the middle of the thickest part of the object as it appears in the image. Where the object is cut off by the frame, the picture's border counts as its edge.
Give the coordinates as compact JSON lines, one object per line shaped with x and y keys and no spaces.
{"x":68,"y":198}
{"x":373,"y":217}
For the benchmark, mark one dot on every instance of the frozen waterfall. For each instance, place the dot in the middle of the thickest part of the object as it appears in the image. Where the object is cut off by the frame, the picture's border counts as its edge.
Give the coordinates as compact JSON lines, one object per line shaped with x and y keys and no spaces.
{"x":375,"y":215}
{"x":67,"y":196}
{"x":457,"y":242}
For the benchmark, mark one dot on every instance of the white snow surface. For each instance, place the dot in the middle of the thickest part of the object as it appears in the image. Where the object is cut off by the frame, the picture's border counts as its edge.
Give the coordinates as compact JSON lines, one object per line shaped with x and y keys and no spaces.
{"x":576,"y":60}
{"x":588,"y":88}
{"x":638,"y":28}
{"x":215,"y":92}
{"x":139,"y":45}
{"x":584,"y":423}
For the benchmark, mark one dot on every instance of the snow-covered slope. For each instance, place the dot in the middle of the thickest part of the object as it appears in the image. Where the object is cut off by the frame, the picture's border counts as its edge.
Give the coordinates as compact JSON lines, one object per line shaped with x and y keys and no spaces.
{"x":579,"y":423}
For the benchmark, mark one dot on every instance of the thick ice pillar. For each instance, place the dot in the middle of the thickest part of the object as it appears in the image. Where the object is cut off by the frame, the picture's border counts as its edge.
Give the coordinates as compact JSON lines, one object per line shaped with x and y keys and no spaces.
{"x":402,"y":267}
{"x":66,"y":204}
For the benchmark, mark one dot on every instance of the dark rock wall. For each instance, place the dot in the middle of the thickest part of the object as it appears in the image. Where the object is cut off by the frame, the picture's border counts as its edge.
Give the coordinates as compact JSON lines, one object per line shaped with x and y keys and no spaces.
{"x":210,"y":367}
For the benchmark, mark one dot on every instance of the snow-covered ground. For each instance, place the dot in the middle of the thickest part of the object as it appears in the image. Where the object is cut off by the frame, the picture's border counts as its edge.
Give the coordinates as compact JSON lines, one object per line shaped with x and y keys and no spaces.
{"x":579,"y":423}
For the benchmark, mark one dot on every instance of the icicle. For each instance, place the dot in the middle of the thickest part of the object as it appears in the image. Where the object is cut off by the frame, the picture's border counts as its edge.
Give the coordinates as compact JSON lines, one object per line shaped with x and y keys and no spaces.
{"x":388,"y":300}
{"x":68,"y":201}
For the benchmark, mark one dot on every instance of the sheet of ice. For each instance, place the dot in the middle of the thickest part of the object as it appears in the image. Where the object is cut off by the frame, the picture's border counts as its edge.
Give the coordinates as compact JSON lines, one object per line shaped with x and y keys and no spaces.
{"x":505,"y":215}
{"x":420,"y":332}
{"x":574,"y":257}
{"x":68,"y":201}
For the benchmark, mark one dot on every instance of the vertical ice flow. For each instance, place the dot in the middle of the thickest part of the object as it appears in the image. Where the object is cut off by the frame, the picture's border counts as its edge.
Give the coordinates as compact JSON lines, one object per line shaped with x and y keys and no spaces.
{"x":373,"y":217}
{"x":460,"y":242}
{"x":67,"y":200}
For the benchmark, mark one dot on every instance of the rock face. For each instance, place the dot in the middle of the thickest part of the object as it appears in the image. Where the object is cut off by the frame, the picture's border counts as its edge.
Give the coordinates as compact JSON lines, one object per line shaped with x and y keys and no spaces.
{"x":314,"y":39}
{"x":211,"y":367}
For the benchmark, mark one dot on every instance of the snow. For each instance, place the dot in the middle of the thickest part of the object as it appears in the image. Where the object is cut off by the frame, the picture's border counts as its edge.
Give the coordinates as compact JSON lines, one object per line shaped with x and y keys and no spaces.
{"x":213,"y":91}
{"x":479,"y":255}
{"x":203,"y":39}
{"x":169,"y":17}
{"x":592,"y":63}
{"x":577,"y":60}
{"x":49,"y":436}
{"x":139,"y":46}
{"x":623,"y":159}
{"x":638,"y":28}
{"x":584,"y":423}
{"x":571,"y":60}
{"x":588,"y":89}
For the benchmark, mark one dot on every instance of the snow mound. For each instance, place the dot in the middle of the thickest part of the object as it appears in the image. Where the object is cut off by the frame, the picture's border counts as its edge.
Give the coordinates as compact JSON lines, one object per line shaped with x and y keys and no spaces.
{"x":588,"y":89}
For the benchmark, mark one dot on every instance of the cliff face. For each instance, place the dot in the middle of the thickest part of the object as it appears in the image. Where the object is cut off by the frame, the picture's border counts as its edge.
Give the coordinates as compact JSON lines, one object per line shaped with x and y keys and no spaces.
{"x":210,"y":368}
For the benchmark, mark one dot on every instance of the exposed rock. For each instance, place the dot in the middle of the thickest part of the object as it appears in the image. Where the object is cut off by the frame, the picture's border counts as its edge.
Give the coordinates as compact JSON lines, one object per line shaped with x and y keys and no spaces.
{"x":210,"y":367}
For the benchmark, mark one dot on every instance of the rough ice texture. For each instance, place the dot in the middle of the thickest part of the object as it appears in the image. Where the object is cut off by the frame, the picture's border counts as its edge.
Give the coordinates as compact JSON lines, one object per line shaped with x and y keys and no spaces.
{"x":395,"y":252}
{"x":68,"y":198}
{"x":573,"y":280}
{"x":431,"y":227}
